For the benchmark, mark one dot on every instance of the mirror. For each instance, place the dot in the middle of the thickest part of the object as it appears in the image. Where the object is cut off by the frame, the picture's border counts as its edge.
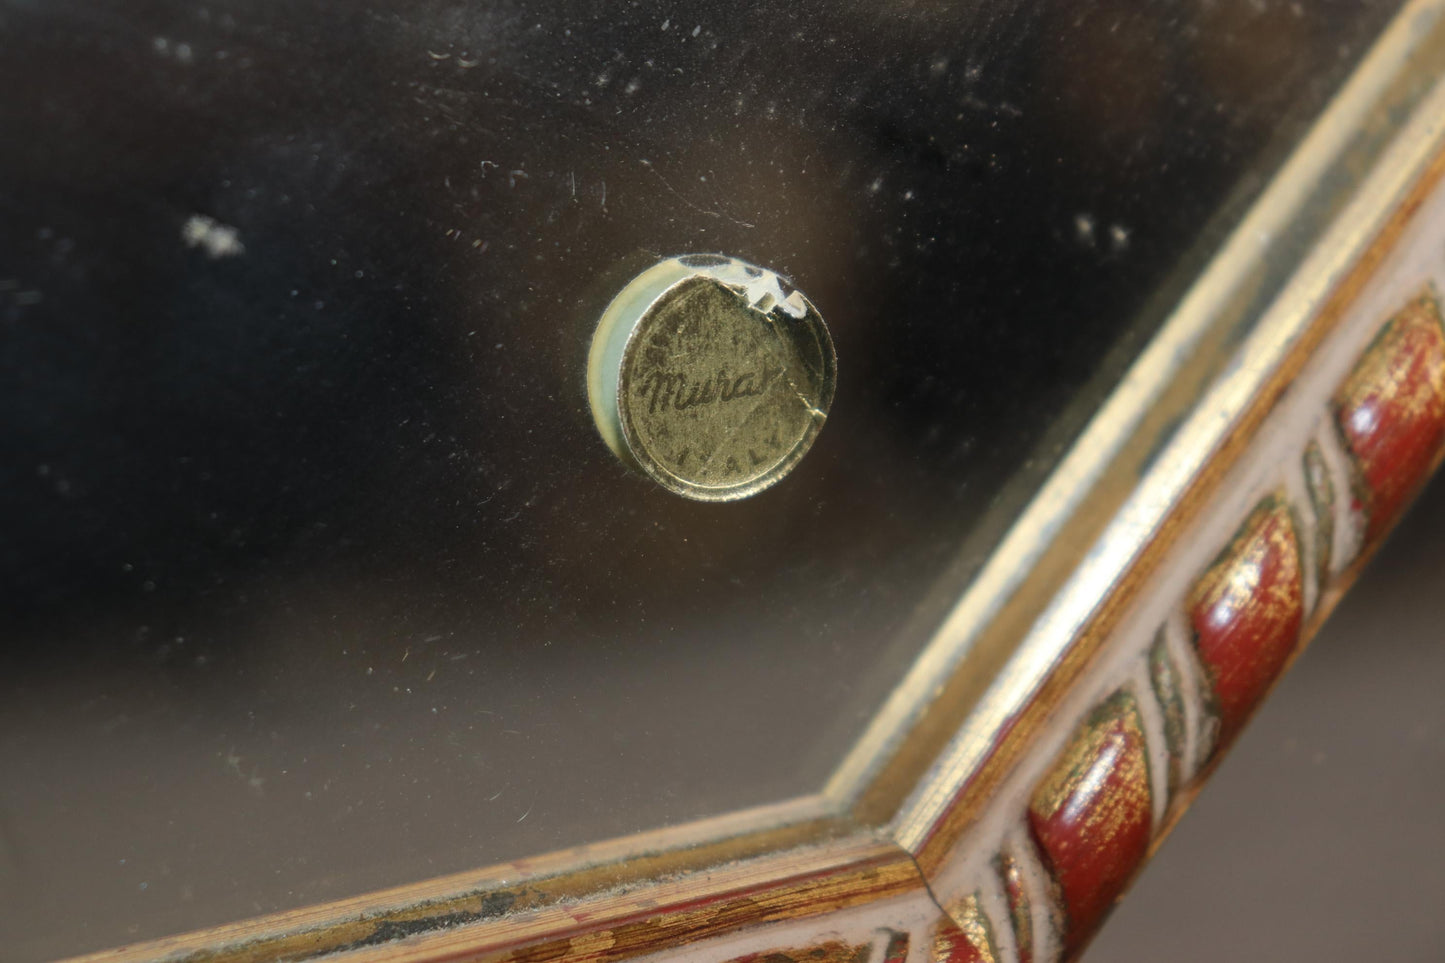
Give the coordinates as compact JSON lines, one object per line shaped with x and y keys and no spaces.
{"x":319,"y":577}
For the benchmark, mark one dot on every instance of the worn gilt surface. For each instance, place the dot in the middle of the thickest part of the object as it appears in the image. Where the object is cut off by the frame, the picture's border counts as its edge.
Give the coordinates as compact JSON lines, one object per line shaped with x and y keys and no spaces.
{"x":1185,"y":687}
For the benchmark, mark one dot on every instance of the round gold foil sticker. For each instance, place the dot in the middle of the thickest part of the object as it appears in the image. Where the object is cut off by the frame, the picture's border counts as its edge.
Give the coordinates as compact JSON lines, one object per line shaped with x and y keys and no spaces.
{"x":711,"y":376}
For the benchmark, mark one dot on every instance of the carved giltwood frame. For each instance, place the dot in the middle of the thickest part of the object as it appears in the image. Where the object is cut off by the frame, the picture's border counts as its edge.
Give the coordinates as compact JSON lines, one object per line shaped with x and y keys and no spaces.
{"x":1093,"y":674}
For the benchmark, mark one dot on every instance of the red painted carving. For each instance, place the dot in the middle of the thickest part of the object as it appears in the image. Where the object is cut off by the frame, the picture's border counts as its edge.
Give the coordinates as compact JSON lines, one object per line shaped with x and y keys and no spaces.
{"x":1091,"y":814}
{"x":1247,"y":611}
{"x":965,"y":935}
{"x":1391,"y":411}
{"x":897,"y":949}
{"x":1020,"y":912}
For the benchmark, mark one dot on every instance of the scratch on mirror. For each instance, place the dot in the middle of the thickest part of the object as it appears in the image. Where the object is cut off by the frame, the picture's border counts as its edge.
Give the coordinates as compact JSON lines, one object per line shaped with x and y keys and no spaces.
{"x":701,"y":210}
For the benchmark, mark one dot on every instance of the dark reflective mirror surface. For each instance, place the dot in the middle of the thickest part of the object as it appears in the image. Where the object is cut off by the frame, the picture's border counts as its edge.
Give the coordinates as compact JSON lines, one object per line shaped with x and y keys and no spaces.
{"x":317,"y":577}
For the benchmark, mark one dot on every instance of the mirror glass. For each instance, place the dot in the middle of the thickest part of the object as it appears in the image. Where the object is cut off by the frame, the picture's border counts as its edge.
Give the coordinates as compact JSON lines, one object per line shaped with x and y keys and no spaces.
{"x":318,"y":577}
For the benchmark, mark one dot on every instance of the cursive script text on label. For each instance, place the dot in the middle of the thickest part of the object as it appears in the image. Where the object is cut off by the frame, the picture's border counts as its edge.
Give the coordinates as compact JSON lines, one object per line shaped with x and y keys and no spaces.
{"x":662,"y":388}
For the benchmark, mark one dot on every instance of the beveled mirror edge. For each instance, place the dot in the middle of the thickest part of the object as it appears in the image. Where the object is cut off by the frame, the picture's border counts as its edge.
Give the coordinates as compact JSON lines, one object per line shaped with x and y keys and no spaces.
{"x":803,"y":860}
